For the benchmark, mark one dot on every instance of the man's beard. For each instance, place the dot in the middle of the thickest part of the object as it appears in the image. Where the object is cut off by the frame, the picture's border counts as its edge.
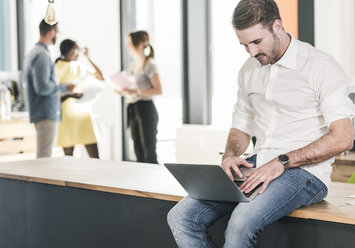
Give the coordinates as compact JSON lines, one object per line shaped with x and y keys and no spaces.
{"x":275,"y":50}
{"x":272,"y":58}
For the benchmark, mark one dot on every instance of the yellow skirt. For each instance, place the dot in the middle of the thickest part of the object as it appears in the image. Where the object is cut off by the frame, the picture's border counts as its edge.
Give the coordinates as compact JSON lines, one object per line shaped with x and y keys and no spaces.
{"x":76,"y":126}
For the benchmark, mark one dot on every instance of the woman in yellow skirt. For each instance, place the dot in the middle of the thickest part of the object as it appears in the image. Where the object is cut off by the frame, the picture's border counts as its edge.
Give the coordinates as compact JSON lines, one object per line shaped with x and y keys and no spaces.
{"x":76,"y":126}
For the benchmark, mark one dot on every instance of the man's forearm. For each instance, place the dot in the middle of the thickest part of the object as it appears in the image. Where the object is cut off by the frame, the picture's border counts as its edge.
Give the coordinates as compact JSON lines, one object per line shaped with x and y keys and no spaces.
{"x":237,"y":143}
{"x":339,"y":139}
{"x":45,"y":88}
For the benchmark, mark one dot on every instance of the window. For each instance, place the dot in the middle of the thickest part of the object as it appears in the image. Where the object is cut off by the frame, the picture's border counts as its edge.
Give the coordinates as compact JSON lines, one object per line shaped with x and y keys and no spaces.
{"x":8,"y":44}
{"x":162,"y":20}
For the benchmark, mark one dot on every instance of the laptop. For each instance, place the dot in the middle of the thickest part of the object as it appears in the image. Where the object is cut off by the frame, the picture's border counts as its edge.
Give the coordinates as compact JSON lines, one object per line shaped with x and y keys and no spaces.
{"x":210,"y":182}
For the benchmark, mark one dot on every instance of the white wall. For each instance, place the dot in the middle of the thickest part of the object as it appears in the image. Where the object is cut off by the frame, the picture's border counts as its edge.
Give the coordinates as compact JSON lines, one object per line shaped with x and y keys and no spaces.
{"x":228,"y":56}
{"x":335,"y":31}
{"x":94,"y":24}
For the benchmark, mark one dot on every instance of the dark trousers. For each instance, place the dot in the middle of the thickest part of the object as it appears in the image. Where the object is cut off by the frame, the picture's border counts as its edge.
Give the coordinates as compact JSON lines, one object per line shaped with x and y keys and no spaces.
{"x":143,"y":122}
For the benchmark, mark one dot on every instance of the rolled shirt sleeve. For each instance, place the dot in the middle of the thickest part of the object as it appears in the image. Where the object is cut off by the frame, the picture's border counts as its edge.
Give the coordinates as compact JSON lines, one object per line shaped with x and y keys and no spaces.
{"x":333,"y":87}
{"x":243,"y":114}
{"x":43,"y":82}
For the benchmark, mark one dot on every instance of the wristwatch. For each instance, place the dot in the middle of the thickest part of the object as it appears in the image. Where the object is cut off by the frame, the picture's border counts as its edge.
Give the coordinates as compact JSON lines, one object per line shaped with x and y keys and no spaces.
{"x":284,"y":159}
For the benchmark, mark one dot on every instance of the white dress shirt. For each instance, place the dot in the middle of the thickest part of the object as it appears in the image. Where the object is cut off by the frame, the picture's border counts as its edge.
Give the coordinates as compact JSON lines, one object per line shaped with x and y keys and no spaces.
{"x":292,"y":103}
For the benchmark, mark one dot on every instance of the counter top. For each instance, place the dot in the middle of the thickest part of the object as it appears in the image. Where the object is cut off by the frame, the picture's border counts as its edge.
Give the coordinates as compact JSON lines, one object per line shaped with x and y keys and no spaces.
{"x":152,"y":181}
{"x":146,"y":180}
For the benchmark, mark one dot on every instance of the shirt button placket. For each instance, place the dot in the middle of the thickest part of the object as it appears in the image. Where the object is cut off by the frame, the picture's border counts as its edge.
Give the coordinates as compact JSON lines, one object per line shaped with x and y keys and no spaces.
{"x":270,"y":101}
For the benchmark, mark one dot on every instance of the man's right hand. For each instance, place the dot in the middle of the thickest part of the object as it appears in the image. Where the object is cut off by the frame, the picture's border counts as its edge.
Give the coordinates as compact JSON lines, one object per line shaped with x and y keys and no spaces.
{"x":231,"y":166}
{"x":70,"y":87}
{"x":76,"y":95}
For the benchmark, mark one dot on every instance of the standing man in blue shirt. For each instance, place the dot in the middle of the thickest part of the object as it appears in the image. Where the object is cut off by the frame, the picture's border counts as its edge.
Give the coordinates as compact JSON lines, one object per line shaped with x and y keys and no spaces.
{"x":43,"y":90}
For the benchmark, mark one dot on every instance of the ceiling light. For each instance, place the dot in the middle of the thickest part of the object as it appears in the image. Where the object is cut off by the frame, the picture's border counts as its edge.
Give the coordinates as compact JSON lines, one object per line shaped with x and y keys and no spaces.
{"x":50,"y":18}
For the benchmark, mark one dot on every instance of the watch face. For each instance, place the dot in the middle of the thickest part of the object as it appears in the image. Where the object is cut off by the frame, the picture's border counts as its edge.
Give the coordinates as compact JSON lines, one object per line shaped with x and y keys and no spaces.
{"x":283,"y":158}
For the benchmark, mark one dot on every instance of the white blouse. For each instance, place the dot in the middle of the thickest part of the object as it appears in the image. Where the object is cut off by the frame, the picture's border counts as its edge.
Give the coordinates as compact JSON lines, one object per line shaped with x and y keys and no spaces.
{"x":292,"y":103}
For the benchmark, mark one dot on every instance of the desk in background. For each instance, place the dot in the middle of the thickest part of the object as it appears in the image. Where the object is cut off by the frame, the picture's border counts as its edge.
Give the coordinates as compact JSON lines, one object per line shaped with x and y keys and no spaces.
{"x":17,"y":135}
{"x":343,"y":167}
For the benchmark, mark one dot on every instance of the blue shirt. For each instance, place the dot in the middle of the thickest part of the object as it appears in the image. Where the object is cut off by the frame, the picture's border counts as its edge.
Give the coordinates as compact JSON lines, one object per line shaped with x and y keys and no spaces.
{"x":43,"y":90}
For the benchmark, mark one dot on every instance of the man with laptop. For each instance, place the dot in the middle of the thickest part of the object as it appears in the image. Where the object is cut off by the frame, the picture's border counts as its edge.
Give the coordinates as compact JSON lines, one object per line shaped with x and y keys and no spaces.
{"x":294,"y":99}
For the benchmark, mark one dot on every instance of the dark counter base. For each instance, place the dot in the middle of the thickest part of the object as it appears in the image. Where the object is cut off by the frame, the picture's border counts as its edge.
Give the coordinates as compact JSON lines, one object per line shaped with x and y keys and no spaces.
{"x":35,"y":215}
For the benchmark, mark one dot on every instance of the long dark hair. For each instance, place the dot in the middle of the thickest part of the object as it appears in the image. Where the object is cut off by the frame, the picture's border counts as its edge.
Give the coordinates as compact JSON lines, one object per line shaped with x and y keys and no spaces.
{"x":142,"y":37}
{"x":65,"y":47}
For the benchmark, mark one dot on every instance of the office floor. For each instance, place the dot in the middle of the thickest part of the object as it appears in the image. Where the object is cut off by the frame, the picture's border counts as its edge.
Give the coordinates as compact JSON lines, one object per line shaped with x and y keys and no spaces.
{"x":166,"y":150}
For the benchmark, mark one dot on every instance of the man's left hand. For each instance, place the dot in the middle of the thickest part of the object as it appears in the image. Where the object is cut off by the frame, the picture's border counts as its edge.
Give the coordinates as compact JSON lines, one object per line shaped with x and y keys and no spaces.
{"x":264,"y":174}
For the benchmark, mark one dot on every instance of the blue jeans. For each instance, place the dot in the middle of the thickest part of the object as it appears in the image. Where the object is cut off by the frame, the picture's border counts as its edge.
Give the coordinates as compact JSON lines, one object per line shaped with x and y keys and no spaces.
{"x":190,"y":219}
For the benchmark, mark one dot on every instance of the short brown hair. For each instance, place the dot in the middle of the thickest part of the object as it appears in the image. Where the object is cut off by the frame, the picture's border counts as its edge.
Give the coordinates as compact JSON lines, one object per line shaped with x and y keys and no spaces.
{"x":44,"y":27}
{"x":251,"y":12}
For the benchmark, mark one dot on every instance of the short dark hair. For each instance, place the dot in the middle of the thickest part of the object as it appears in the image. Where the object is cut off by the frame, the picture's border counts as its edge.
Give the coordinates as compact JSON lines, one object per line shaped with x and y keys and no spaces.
{"x":251,"y":12}
{"x":44,"y":27}
{"x":66,"y":46}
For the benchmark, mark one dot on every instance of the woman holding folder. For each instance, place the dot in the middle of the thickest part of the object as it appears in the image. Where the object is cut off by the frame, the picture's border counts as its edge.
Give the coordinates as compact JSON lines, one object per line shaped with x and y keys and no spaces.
{"x":142,"y":114}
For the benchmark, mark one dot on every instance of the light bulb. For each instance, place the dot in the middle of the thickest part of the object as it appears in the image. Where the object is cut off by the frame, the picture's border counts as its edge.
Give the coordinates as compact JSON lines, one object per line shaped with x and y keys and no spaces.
{"x":50,"y":18}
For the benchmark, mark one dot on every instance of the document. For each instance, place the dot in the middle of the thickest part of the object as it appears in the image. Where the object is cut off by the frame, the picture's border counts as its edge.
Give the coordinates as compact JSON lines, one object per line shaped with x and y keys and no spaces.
{"x":123,"y":81}
{"x":91,"y":88}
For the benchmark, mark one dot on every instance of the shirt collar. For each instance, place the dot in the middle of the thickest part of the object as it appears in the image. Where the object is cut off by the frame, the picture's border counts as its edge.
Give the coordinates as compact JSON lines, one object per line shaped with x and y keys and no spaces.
{"x":42,"y":45}
{"x":289,"y":59}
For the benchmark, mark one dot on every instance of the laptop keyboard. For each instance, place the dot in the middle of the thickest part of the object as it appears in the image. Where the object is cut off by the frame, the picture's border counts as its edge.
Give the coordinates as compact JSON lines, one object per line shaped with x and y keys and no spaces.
{"x":238,"y":183}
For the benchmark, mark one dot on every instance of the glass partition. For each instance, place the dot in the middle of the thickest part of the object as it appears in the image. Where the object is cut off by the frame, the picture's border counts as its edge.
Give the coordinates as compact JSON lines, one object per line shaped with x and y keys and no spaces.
{"x":162,"y":20}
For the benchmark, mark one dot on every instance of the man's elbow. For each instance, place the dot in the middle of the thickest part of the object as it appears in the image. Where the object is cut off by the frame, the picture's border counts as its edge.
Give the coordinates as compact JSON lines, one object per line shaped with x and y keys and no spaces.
{"x":343,"y":134}
{"x":347,"y":143}
{"x":159,"y":91}
{"x":45,"y":91}
{"x":350,"y":144}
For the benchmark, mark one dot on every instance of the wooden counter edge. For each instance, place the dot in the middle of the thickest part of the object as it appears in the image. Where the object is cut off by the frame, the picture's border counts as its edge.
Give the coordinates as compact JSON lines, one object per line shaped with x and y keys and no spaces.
{"x":298,"y":213}
{"x":130,"y":192}
{"x":314,"y":215}
{"x":33,"y":179}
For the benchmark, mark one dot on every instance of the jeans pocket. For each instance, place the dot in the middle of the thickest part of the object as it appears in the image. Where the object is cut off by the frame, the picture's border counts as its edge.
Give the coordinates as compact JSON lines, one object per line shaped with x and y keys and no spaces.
{"x":319,"y":196}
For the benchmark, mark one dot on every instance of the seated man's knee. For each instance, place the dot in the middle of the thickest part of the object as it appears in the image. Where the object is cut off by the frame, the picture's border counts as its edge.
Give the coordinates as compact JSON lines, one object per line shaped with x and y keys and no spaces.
{"x":175,"y":219}
{"x":241,"y":233}
{"x":171,"y":217}
{"x":174,"y":216}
